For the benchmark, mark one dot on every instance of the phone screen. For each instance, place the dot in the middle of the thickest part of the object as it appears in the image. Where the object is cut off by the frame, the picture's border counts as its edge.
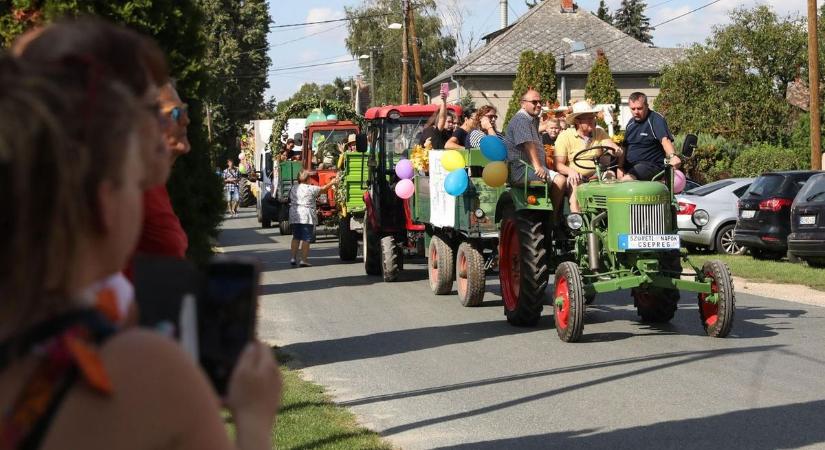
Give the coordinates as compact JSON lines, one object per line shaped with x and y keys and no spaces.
{"x":226,"y":318}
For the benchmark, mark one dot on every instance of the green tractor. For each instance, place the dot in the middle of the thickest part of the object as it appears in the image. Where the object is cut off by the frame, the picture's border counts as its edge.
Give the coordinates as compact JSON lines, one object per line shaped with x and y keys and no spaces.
{"x":624,"y":238}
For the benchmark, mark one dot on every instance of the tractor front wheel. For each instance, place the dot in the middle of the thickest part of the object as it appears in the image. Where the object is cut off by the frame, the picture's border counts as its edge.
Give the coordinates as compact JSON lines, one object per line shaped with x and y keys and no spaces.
{"x":523,"y":270}
{"x":390,"y":258}
{"x":440,"y":265}
{"x":568,"y":302}
{"x":284,"y":228}
{"x":717,"y":316}
{"x":656,"y":304}
{"x":347,"y":241}
{"x":371,"y":250}
{"x":469,"y":274}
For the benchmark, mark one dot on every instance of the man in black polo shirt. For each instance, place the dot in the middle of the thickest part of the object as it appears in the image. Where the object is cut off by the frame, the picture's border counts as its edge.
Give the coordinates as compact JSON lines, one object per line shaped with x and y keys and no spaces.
{"x":649,"y":142}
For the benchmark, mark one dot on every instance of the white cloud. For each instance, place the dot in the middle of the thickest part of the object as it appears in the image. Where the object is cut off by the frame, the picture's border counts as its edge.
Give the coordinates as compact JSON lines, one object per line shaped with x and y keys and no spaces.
{"x":333,"y":30}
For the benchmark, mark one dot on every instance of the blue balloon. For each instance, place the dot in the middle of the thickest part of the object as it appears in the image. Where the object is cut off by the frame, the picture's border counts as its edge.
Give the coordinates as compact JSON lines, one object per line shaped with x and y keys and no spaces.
{"x":493,"y":148}
{"x":456,"y":182}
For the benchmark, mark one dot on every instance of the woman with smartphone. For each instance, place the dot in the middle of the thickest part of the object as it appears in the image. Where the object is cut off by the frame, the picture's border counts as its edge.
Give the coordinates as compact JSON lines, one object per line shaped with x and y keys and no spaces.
{"x":68,"y":377}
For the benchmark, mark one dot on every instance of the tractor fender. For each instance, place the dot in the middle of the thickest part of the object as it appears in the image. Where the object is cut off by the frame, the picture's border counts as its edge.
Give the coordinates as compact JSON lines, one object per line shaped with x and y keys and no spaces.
{"x":369,"y":210}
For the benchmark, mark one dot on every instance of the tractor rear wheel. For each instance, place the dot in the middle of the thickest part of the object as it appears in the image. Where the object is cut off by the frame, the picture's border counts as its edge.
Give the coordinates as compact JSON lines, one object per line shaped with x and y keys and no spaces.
{"x":469,"y":274}
{"x":347,"y":241}
{"x":655,"y":304}
{"x":247,"y":199}
{"x":717,"y":317}
{"x":440,"y":263}
{"x":568,"y":302}
{"x":284,"y":228}
{"x":523,"y":269}
{"x":391,"y":256}
{"x":371,"y":250}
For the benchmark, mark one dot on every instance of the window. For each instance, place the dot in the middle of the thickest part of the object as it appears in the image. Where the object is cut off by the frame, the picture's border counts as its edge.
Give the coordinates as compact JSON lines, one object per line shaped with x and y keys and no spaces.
{"x":741,"y":190}
{"x":765,"y":186}
{"x":814,"y":189}
{"x":702,"y":191}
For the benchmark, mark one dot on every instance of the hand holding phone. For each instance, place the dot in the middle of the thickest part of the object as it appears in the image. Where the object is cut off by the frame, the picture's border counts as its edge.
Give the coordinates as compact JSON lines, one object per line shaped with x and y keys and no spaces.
{"x":445,"y":90}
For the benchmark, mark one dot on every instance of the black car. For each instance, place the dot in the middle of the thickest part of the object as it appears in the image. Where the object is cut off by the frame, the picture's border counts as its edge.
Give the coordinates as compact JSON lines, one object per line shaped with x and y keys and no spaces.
{"x":807,"y":238}
{"x":765,"y":213}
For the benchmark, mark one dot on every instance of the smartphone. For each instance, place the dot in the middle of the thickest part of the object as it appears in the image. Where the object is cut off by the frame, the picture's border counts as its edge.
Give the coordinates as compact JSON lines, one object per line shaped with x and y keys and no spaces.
{"x":445,"y":89}
{"x":227,"y":316}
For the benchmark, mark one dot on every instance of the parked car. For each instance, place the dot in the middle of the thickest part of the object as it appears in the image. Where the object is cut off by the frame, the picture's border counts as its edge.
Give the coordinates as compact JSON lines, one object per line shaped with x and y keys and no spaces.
{"x":719,"y":199}
{"x":691,"y":185}
{"x":765,"y":213}
{"x":807,"y":238}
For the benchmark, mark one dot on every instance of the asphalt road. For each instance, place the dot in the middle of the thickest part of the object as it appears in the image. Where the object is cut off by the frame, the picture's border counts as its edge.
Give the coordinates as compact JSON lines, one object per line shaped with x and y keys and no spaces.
{"x":428,"y":373}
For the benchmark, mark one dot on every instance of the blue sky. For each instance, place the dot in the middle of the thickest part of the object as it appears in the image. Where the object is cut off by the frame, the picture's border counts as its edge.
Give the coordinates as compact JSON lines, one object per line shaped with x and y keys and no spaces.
{"x":468,"y":19}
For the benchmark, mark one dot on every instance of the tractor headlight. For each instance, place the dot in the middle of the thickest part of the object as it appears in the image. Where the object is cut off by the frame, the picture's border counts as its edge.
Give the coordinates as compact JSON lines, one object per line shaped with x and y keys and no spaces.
{"x":574,"y":221}
{"x":479,"y":213}
{"x":700,"y":218}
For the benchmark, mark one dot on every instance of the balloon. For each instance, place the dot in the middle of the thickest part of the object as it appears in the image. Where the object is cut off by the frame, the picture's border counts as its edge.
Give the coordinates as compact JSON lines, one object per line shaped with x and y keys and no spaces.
{"x":456,"y":182}
{"x":404,"y":169}
{"x":495,"y":173}
{"x":678,"y":181}
{"x":404,"y":189}
{"x":452,"y":160}
{"x":241,"y":155}
{"x":493,"y":148}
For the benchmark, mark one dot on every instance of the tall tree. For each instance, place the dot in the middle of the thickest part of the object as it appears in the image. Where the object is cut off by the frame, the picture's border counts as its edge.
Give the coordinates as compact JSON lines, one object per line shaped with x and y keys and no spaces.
{"x":535,"y":71}
{"x":177,"y":27}
{"x":631,"y":19}
{"x":600,"y":86}
{"x":313,"y":91}
{"x":604,"y":12}
{"x":368,"y":34}
{"x":236,"y":57}
{"x":734,"y":85}
{"x":532,"y":3}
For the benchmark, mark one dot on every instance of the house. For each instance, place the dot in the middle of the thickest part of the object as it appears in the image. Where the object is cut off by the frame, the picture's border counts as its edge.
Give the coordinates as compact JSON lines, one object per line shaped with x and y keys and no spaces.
{"x":573,"y":36}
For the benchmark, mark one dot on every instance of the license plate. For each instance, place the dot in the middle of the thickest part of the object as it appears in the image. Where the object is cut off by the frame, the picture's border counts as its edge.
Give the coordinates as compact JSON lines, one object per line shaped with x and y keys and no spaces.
{"x":748,"y":213}
{"x":807,"y":220}
{"x":649,"y":241}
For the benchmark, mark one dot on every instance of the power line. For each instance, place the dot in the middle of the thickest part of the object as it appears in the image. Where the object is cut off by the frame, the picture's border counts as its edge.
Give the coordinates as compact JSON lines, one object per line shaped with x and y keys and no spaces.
{"x":364,"y":16}
{"x":280,"y":69}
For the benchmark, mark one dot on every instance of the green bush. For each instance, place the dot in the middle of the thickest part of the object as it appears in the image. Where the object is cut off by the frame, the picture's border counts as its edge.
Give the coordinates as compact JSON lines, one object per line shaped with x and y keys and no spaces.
{"x":712,"y":159}
{"x":761,"y":158}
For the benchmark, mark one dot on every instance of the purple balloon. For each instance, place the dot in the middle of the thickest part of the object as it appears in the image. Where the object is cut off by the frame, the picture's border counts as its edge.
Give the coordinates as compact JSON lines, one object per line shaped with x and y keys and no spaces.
{"x":404,"y":169}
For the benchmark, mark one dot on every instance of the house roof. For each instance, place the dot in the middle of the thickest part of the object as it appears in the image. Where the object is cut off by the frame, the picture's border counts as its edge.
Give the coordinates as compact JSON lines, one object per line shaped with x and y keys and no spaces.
{"x":544,"y":28}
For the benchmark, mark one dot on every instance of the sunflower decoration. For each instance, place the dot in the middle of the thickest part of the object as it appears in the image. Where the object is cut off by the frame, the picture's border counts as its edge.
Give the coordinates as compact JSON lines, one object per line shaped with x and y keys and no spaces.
{"x":618,"y":138}
{"x":420,"y":158}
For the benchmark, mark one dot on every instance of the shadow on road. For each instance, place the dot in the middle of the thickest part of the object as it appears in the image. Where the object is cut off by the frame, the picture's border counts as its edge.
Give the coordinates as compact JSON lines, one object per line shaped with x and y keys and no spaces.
{"x":787,"y":426}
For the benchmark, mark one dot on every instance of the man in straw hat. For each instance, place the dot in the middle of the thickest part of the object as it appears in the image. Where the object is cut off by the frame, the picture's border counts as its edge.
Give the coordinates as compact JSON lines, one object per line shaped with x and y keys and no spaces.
{"x":524,"y":144}
{"x":576,"y":142}
{"x":648,"y":140}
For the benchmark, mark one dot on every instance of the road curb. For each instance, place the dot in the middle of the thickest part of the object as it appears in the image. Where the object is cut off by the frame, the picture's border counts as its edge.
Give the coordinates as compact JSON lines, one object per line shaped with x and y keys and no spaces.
{"x":789,"y":292}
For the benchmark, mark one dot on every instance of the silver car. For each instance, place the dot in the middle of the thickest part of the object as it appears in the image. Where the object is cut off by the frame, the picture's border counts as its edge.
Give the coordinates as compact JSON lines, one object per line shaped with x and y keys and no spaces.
{"x":719,"y":199}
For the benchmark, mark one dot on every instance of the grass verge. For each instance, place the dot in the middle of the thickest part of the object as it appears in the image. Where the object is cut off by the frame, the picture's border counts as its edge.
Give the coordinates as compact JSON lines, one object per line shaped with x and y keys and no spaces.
{"x":758,"y":270}
{"x":309,"y":420}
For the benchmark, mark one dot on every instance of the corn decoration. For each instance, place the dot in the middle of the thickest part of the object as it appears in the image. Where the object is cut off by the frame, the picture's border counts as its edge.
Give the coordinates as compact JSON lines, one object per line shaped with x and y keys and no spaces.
{"x":420,"y":158}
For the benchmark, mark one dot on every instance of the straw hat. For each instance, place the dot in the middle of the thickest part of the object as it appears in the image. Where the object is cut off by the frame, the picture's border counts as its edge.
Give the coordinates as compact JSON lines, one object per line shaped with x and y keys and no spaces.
{"x":581,"y":107}
{"x":351,"y":139}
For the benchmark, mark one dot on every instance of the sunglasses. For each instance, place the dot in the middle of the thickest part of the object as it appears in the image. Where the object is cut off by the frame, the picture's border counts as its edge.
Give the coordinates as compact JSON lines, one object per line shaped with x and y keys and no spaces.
{"x":534,"y":102}
{"x":491,"y":116}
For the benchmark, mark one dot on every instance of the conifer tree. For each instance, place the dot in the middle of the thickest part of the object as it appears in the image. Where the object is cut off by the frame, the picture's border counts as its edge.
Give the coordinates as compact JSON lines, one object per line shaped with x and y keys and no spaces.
{"x":631,"y":19}
{"x":537,"y":71}
{"x":601,"y":87}
{"x":604,"y":12}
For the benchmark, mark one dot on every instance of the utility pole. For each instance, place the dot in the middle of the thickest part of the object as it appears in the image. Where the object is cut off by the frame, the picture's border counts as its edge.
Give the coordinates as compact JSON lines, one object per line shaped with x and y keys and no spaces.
{"x":372,"y":78}
{"x":813,"y":82}
{"x":419,"y":84}
{"x":405,"y":71}
{"x":209,"y":122}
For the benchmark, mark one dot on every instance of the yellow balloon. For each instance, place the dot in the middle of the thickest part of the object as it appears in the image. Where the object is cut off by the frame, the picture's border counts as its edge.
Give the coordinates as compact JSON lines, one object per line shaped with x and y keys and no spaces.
{"x":495,"y":173}
{"x":452,"y":160}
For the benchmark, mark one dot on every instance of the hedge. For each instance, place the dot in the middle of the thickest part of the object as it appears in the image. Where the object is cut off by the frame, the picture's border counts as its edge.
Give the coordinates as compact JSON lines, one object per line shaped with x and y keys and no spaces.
{"x":755,"y":160}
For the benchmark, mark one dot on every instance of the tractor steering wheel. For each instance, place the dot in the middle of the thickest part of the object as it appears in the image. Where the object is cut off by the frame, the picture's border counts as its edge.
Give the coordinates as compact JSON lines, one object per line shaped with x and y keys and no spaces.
{"x":606,"y":160}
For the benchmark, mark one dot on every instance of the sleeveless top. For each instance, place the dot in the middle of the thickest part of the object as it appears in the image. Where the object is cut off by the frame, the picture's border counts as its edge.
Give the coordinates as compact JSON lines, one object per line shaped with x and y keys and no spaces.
{"x":67,"y":349}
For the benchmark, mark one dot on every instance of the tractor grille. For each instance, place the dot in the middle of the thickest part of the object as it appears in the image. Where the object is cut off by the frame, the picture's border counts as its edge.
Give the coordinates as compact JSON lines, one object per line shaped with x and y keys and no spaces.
{"x":599,"y":201}
{"x":649,"y":219}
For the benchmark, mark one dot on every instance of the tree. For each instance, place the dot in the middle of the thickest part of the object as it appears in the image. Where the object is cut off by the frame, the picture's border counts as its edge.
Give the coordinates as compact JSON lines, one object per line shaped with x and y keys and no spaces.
{"x":734,"y":85}
{"x":631,"y":19}
{"x":531,"y":3}
{"x":314,"y":92}
{"x":604,"y":12}
{"x":176,"y":25}
{"x":368,"y":34}
{"x":600,"y":86}
{"x":536,"y":71}
{"x":236,"y":57}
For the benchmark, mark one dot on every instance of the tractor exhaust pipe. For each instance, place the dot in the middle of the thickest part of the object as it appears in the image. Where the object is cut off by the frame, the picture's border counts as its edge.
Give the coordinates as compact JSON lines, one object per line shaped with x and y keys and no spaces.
{"x":594,"y":245}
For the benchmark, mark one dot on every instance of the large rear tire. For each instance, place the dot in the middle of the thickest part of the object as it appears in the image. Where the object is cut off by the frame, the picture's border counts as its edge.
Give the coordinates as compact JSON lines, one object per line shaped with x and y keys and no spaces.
{"x":523,"y":269}
{"x":655,"y":304}
{"x":717,"y":318}
{"x":469,"y":274}
{"x":284,"y":228}
{"x":371,"y":250}
{"x":391,"y":256}
{"x":347,"y":241}
{"x":247,"y":199}
{"x":440,"y":263}
{"x":568,"y":302}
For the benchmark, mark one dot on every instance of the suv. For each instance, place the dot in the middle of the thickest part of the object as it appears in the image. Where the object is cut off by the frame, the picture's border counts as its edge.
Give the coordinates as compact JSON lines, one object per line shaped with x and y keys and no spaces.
{"x":765,"y":213}
{"x":807,"y":238}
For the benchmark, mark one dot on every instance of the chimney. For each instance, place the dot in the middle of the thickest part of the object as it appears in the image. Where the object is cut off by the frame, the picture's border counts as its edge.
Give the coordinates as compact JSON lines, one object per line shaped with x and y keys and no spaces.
{"x":502,"y":11}
{"x":567,"y":6}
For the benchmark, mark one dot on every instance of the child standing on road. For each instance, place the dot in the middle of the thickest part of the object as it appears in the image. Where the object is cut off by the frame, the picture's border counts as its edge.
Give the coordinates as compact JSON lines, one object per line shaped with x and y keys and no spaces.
{"x":302,"y":215}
